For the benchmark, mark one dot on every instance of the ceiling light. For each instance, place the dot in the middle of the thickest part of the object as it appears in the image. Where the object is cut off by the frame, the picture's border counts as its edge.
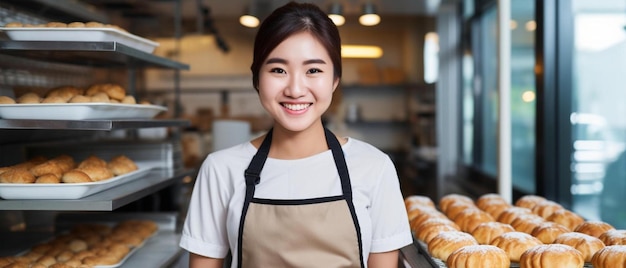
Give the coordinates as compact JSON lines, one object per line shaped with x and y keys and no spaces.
{"x":336,"y":14}
{"x":248,"y":19}
{"x":361,"y":51}
{"x":369,"y":17}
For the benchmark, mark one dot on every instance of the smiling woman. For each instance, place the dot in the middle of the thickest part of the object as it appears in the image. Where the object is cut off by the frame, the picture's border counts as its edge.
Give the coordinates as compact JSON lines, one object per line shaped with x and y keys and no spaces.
{"x":264,"y":200}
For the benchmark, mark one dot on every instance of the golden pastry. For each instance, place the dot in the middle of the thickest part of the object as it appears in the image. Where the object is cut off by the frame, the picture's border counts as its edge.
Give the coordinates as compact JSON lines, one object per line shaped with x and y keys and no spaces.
{"x":548,"y":231}
{"x":586,"y":244}
{"x":48,"y":167}
{"x":527,"y":223}
{"x":29,"y":98}
{"x":121,"y":164}
{"x":76,"y":24}
{"x":97,"y":173}
{"x":48,"y":178}
{"x":56,"y":24}
{"x":128,"y":99}
{"x":469,"y":218}
{"x":94,"y":24}
{"x":614,"y":237}
{"x":546,"y":208}
{"x":529,"y":201}
{"x":17,"y":175}
{"x":75,"y":176}
{"x":442,"y":245}
{"x":6,"y":100}
{"x":510,"y":214}
{"x":92,"y":160}
{"x":515,"y":243}
{"x":79,"y":99}
{"x":454,"y":208}
{"x":594,"y":228}
{"x":610,"y":257}
{"x":478,"y":256}
{"x":100,"y":97}
{"x":551,"y":256}
{"x":14,"y":24}
{"x":54,"y":99}
{"x":487,"y":231}
{"x":418,"y":200}
{"x":566,"y":218}
{"x":452,"y":198}
{"x":65,"y":92}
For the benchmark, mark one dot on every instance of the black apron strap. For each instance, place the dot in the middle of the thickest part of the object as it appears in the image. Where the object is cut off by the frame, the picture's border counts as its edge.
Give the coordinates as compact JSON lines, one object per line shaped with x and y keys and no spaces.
{"x":253,"y":177}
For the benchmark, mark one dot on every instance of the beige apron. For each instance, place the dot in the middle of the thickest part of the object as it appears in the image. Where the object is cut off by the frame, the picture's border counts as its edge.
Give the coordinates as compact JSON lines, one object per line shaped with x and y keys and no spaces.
{"x":319,"y":232}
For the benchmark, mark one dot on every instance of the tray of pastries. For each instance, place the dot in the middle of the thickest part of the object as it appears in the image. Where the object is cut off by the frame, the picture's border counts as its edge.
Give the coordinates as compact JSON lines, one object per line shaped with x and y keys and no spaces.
{"x":98,"y":101}
{"x":491,"y":232}
{"x":98,"y":245}
{"x":77,"y":31}
{"x":62,"y":177}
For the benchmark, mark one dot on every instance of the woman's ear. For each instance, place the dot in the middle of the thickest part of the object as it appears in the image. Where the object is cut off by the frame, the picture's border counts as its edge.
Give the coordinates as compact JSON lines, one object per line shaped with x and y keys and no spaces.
{"x":336,"y":83}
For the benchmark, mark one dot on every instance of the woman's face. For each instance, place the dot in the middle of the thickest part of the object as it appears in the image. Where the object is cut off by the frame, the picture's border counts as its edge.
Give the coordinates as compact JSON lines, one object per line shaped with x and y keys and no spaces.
{"x":296,"y":82}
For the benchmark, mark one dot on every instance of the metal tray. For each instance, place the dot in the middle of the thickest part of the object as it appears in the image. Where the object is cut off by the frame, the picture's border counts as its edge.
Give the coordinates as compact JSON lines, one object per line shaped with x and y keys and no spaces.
{"x":67,"y":190}
{"x":79,"y":111}
{"x":80,"y":34}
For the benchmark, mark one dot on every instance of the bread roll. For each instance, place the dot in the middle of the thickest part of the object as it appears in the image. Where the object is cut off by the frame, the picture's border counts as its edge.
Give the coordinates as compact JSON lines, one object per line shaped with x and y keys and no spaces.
{"x":594,"y":228}
{"x":566,"y":218}
{"x":492,"y":204}
{"x":489,"y":198}
{"x":515,"y":243}
{"x":121,"y":165}
{"x":452,"y":198}
{"x":442,"y":245}
{"x":551,"y":256}
{"x":529,"y":201}
{"x":97,"y":173}
{"x":510,"y":214}
{"x":418,"y":200}
{"x":426,"y":233}
{"x":29,"y":98}
{"x":614,"y":237}
{"x":17,"y":175}
{"x":586,"y":244}
{"x":478,"y":256}
{"x":6,"y":100}
{"x":487,"y":231}
{"x":455,"y":208}
{"x":548,"y":231}
{"x":469,"y":218}
{"x":75,"y":176}
{"x":527,"y":222}
{"x":610,"y":257}
{"x":48,"y":178}
{"x":546,"y":208}
{"x":426,"y":215}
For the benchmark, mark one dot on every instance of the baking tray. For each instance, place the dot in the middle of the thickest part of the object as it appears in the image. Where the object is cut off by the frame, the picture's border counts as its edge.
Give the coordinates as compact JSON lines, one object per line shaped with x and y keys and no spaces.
{"x":80,"y":34}
{"x":79,"y":111}
{"x":67,"y":190}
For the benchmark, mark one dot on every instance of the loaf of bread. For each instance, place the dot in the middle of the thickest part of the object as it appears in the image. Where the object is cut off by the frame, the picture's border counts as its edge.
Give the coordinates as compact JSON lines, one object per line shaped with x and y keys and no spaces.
{"x":594,"y":228}
{"x":442,"y":245}
{"x":548,"y":231}
{"x":487,"y":231}
{"x":610,"y":257}
{"x":614,"y":237}
{"x":566,"y":218}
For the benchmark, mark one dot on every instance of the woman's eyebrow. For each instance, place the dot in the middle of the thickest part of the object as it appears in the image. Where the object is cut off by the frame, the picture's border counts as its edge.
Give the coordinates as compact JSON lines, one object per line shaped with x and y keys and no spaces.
{"x":283,"y":61}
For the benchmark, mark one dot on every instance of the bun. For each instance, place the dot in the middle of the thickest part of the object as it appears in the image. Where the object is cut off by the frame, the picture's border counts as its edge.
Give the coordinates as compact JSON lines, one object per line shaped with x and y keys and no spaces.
{"x":529,"y":201}
{"x":548,"y":231}
{"x":614,"y":237}
{"x":48,"y":178}
{"x":527,"y":223}
{"x":551,"y":256}
{"x":610,"y":257}
{"x":594,"y":228}
{"x":510,"y":214}
{"x":418,"y":200}
{"x":487,"y":231}
{"x":454,"y":208}
{"x":469,"y":218}
{"x":121,"y":165}
{"x":97,"y":173}
{"x":478,"y":256}
{"x":442,"y":245}
{"x":493,"y":204}
{"x":48,"y":167}
{"x":429,"y":229}
{"x":546,"y":208}
{"x":79,"y":99}
{"x":17,"y":175}
{"x":29,"y":98}
{"x":566,"y":218}
{"x":75,"y":176}
{"x":6,"y":100}
{"x":448,"y":199}
{"x":515,"y":243}
{"x":586,"y":244}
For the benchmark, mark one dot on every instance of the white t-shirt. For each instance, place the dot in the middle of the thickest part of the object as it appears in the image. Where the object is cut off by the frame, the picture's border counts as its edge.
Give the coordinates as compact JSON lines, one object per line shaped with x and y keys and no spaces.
{"x":212,"y":224}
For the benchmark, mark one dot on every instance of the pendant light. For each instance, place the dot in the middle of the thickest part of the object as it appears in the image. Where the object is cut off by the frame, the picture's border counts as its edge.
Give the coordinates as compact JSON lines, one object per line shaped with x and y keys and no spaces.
{"x":336,"y":14}
{"x":369,"y":16}
{"x":249,"y":19}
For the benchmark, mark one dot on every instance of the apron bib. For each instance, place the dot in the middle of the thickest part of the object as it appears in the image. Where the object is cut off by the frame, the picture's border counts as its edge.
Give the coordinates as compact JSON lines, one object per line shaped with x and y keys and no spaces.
{"x":317,"y":232}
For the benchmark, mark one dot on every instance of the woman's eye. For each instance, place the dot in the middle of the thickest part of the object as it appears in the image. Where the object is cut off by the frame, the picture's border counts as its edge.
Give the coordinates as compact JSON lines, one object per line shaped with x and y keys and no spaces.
{"x":314,"y":70}
{"x":277,"y":70}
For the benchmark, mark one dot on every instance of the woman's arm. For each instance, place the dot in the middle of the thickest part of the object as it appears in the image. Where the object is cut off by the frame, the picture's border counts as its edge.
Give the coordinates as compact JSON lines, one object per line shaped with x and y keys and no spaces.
{"x":383,"y":260}
{"x":197,"y":261}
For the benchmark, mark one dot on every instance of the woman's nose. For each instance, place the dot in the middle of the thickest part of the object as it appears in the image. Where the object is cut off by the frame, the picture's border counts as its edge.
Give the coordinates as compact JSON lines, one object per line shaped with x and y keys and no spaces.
{"x":296,"y":87}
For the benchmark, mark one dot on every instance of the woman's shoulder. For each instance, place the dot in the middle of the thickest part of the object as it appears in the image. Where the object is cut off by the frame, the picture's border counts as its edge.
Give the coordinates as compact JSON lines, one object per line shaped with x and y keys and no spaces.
{"x":242,"y":151}
{"x":363,"y":148}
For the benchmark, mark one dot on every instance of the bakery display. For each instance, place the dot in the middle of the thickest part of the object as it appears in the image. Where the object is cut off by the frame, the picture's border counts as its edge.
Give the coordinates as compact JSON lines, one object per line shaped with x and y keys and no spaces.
{"x":56,"y":24}
{"x":87,"y":245}
{"x":64,"y":169}
{"x":478,"y":256}
{"x":610,"y":257}
{"x":487,"y":231}
{"x":551,"y":256}
{"x":515,"y":243}
{"x":443,"y":244}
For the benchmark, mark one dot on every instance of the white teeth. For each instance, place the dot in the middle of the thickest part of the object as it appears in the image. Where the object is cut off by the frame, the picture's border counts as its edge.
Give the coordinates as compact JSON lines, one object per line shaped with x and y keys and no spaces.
{"x":296,"y":107}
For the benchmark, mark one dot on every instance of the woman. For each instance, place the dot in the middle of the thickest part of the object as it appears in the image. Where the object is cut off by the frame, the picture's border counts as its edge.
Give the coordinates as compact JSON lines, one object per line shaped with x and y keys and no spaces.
{"x":284,"y":199}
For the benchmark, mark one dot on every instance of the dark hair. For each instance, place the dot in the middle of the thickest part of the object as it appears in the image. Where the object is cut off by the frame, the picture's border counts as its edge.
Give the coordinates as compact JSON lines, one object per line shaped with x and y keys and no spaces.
{"x":290,"y":19}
